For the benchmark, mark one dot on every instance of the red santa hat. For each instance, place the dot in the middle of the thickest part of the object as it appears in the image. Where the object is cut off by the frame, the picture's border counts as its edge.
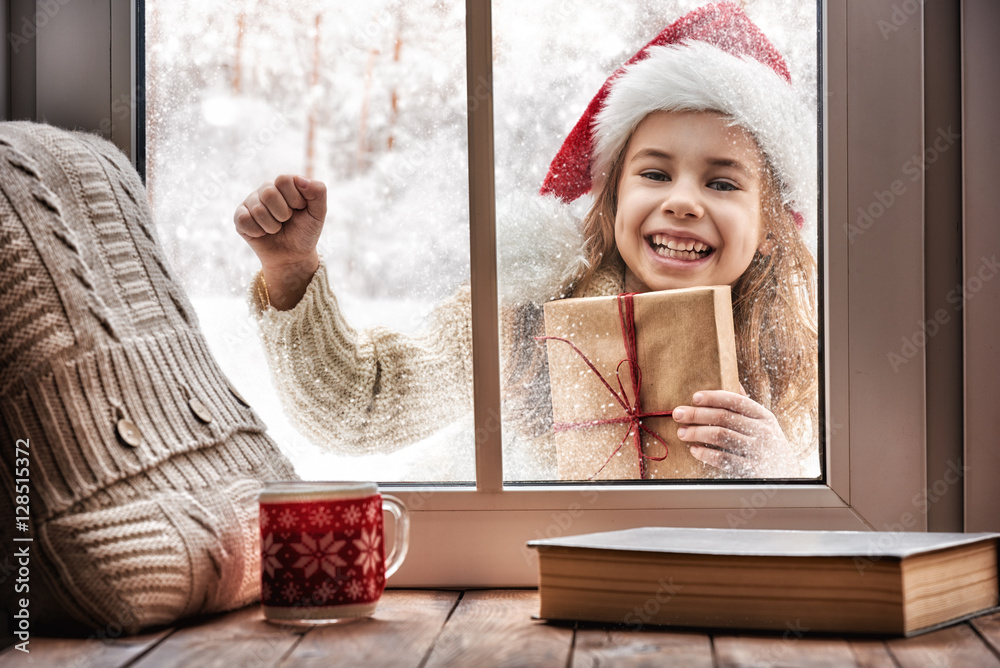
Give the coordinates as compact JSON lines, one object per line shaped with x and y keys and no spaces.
{"x":712,"y":59}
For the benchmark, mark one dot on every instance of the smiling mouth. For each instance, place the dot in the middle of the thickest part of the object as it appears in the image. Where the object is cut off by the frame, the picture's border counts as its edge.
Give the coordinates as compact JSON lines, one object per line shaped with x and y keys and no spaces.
{"x":678,"y":249}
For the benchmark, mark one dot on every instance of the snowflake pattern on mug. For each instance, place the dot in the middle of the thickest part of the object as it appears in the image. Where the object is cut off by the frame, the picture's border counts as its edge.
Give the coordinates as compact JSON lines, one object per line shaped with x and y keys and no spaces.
{"x":292,"y":592}
{"x":322,"y":553}
{"x":268,"y":554}
{"x":352,"y":515}
{"x":287,"y":519}
{"x":374,"y":511}
{"x":354,"y":589}
{"x":369,"y":551}
{"x":319,"y":554}
{"x":321,"y":518}
{"x":325,"y":592}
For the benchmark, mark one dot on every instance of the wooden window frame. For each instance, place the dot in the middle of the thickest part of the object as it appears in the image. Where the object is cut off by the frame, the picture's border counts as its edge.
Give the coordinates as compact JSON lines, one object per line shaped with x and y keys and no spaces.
{"x":876,"y":289}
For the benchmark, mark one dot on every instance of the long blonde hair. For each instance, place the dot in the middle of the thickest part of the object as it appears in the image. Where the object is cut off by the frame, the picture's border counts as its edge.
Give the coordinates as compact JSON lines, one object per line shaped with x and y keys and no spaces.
{"x":774,"y":306}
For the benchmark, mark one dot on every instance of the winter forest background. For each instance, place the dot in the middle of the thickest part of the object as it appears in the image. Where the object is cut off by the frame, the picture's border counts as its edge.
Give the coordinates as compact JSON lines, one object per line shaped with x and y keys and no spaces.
{"x":371,"y":98}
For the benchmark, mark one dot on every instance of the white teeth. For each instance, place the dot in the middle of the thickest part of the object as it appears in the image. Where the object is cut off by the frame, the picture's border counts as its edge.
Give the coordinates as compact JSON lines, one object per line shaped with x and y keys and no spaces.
{"x":680,"y":245}
{"x":677,"y":254}
{"x":686,"y":249}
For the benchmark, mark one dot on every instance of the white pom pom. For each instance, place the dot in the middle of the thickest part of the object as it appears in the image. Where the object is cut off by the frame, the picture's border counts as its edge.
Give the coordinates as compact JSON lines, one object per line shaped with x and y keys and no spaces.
{"x":540,"y":247}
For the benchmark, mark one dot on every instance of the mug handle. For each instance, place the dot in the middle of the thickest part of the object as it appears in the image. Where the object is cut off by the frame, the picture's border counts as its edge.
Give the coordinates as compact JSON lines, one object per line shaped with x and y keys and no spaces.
{"x":402,"y":539}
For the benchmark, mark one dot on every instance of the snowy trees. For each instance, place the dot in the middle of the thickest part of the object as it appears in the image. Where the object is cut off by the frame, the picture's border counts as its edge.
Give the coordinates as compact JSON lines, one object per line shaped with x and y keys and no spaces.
{"x":371,"y":97}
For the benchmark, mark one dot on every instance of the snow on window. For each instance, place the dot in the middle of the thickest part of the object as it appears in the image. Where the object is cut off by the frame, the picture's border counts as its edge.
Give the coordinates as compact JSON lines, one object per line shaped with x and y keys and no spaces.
{"x":369,"y":98}
{"x":550,"y":59}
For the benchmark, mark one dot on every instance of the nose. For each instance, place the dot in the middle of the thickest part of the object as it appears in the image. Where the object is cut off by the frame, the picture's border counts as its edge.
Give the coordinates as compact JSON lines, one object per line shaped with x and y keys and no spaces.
{"x":682,"y":201}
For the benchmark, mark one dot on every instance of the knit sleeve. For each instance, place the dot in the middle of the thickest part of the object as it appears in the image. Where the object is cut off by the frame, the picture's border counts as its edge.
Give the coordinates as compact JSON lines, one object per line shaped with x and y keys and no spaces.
{"x":369,"y":391}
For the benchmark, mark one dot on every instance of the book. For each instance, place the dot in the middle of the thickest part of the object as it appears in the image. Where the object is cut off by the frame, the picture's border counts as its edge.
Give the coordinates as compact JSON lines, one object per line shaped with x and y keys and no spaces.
{"x":883,"y":583}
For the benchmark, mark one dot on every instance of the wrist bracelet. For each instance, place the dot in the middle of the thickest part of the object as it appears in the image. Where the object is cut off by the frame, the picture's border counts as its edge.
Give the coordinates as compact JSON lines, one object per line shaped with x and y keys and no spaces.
{"x":262,"y":294}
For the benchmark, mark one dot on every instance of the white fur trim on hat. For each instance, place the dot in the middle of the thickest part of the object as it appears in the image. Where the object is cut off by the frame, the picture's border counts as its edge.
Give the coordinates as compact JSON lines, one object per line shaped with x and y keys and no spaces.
{"x":697,"y":76}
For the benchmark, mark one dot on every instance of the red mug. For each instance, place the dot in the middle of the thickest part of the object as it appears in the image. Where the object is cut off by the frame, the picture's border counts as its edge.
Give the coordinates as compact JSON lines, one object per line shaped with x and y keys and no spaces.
{"x":323,"y":550}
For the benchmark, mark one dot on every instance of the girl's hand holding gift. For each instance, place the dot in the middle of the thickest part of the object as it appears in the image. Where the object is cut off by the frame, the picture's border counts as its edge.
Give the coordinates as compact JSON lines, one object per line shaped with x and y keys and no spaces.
{"x":282,"y":221}
{"x":750,"y":442}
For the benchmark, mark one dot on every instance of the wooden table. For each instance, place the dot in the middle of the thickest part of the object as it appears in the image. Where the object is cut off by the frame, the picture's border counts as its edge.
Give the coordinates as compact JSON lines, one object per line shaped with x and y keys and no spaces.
{"x":494,"y":628}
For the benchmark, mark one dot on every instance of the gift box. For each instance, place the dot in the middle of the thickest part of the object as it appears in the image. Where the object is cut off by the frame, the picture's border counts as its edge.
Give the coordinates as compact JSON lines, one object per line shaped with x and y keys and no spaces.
{"x":668,"y":345}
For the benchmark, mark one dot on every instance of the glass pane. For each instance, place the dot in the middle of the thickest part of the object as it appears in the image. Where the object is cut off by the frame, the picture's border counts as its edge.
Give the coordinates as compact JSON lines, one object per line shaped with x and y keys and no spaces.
{"x":550,"y":59}
{"x":368,"y":98}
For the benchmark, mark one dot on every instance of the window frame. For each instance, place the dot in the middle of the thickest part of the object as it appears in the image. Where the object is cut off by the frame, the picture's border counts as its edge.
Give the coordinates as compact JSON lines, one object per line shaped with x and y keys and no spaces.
{"x":876,"y":451}
{"x":485,"y":528}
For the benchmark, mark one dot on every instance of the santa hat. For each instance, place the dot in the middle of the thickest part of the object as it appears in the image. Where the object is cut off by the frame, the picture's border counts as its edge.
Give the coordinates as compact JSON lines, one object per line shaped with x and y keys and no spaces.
{"x":712,"y":59}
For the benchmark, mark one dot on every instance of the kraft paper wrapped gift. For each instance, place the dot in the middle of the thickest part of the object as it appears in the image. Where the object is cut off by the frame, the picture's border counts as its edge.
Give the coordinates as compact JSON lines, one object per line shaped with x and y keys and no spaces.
{"x":684,"y":342}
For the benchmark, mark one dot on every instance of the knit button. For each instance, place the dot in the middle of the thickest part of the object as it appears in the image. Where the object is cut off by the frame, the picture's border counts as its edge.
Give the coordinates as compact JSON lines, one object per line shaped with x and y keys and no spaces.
{"x":200,"y":410}
{"x":235,"y":393}
{"x":129,"y":433}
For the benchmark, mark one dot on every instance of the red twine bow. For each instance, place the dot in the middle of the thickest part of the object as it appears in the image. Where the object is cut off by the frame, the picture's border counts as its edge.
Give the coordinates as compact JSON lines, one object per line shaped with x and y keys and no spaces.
{"x":633,"y":411}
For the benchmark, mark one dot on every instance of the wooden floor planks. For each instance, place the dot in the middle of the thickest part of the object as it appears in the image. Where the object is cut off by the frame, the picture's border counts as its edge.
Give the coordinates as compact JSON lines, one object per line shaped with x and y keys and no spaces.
{"x":602,"y":648}
{"x":955,"y":646}
{"x":241,"y":638}
{"x":82,"y":653}
{"x":400,"y":635}
{"x":786,"y":649}
{"x":494,"y":628}
{"x":872,"y":654}
{"x":988,"y":627}
{"x":433,"y":629}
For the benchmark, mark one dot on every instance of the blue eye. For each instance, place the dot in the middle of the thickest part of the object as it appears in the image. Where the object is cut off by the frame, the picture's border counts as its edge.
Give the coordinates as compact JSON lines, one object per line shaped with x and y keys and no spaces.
{"x":655,"y":175}
{"x":722,"y":186}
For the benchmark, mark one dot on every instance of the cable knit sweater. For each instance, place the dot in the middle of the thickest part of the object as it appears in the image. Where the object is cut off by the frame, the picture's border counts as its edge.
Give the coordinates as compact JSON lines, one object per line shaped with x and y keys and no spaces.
{"x":139,"y":463}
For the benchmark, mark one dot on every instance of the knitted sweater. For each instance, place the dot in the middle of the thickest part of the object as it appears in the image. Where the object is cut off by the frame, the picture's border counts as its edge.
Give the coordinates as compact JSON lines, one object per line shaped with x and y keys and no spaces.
{"x":377,"y":390}
{"x":141,"y":464}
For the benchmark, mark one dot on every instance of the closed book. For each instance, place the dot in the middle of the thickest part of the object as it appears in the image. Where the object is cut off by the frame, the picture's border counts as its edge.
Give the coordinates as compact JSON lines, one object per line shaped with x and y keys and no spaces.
{"x":821,"y":581}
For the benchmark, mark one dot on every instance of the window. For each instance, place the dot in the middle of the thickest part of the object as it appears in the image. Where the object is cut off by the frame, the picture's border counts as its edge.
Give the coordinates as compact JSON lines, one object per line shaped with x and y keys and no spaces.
{"x":371,"y":102}
{"x":876,"y":462}
{"x":368,"y":99}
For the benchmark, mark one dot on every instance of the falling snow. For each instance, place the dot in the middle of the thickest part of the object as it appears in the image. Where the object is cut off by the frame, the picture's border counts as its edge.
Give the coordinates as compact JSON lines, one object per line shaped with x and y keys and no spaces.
{"x":383,"y":86}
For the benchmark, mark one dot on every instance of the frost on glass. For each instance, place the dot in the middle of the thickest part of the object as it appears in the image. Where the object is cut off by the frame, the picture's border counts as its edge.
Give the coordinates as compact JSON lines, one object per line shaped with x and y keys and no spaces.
{"x":368,"y":97}
{"x":550,"y":58}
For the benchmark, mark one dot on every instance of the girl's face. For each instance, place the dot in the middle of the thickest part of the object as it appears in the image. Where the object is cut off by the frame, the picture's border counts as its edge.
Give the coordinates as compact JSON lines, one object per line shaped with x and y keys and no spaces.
{"x":688,"y":202}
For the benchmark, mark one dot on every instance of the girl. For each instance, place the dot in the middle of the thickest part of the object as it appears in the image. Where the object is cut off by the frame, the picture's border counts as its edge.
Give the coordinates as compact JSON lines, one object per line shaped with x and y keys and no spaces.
{"x":698,"y":153}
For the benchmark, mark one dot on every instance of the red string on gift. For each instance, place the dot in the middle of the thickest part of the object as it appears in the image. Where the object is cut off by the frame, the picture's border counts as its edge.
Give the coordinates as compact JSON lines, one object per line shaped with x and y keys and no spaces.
{"x":633,"y":411}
